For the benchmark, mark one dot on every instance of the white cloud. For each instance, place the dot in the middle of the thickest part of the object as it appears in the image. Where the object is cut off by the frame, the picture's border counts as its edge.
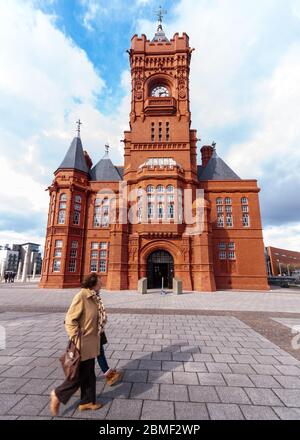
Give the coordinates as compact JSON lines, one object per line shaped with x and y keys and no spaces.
{"x":284,"y":236}
{"x":46,"y":83}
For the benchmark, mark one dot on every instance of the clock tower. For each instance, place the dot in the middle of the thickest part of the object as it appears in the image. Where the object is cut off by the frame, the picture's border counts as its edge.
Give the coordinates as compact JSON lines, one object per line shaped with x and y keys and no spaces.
{"x":160,"y":162}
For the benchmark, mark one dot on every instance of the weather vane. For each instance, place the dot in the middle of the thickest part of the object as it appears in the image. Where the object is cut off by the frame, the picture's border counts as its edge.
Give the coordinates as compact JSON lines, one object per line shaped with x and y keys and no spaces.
{"x":160,"y":14}
{"x":78,"y":127}
{"x":106,"y":149}
{"x":214,"y":145}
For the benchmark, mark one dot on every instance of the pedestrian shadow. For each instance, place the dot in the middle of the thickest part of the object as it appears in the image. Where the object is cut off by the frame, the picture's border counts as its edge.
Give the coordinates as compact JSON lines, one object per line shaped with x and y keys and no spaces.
{"x":125,"y":389}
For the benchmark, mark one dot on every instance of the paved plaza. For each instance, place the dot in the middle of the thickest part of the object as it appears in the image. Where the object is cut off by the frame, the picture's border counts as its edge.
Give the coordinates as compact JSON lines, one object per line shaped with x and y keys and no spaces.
{"x":226,"y":355}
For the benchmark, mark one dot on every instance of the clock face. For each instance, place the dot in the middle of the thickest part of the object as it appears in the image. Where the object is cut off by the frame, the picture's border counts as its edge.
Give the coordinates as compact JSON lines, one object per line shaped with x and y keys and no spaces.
{"x":160,"y":92}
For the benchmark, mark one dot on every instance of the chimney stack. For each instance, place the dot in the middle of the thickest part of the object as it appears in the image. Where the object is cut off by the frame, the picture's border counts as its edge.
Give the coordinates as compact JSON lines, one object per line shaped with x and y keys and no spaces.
{"x":206,"y":153}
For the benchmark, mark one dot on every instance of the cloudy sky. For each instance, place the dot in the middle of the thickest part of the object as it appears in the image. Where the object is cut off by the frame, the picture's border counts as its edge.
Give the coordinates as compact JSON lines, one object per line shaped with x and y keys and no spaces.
{"x":65,"y":59}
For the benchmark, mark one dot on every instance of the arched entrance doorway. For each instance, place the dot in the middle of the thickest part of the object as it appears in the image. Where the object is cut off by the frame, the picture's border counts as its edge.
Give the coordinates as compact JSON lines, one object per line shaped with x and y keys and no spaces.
{"x":160,"y":264}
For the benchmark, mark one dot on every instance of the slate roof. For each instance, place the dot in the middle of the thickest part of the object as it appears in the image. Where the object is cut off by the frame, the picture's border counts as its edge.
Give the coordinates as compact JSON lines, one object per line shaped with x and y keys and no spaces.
{"x":74,"y":159}
{"x":105,"y":171}
{"x":160,"y":36}
{"x":216,"y":169}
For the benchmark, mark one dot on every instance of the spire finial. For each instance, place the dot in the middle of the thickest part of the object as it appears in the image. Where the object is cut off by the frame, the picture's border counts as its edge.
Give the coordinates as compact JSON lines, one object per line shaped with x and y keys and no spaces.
{"x":160,"y":14}
{"x":214,"y":145}
{"x":79,"y":123}
{"x":106,"y":149}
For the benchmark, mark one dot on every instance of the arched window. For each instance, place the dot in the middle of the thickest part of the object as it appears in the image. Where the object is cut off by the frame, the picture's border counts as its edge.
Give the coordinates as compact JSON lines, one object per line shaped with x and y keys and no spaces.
{"x":150,"y":189}
{"x":63,"y":197}
{"x":160,"y":189}
{"x":170,"y":189}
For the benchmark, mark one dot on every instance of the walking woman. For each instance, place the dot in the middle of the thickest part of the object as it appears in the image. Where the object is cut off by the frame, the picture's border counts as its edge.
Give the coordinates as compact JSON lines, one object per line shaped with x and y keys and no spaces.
{"x":87,"y":315}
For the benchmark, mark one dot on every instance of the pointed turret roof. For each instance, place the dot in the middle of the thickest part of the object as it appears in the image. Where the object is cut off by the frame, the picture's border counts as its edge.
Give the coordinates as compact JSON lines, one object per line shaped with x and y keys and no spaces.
{"x":216,"y":169}
{"x":105,"y":171}
{"x":74,"y":159}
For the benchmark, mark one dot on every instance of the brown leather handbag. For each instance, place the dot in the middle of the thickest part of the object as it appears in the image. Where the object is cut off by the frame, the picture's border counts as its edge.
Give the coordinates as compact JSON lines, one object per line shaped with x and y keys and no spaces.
{"x":70,"y":360}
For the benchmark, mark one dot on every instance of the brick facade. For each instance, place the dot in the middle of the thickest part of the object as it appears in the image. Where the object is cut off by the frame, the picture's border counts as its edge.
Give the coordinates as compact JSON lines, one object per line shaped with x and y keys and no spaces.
{"x":160,"y":157}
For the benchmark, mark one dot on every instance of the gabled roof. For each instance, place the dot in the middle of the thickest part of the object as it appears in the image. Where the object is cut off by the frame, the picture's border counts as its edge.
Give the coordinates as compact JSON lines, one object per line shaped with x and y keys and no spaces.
{"x":74,"y":159}
{"x":105,"y":171}
{"x":216,"y":169}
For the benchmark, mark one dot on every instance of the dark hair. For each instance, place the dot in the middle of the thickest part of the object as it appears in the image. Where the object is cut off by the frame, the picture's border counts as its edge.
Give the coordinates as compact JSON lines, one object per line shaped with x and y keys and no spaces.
{"x":90,"y":281}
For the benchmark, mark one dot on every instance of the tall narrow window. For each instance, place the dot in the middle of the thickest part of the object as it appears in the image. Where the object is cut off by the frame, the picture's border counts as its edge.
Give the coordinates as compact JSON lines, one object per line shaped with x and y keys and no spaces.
{"x":57,"y":255}
{"x":246,"y":220}
{"x":101,"y":213}
{"x":160,"y":132}
{"x":167,"y":131}
{"x":62,"y":209}
{"x":152,"y":132}
{"x":77,"y":210}
{"x":245,"y":212}
{"x":103,"y":257}
{"x":72,"y":265}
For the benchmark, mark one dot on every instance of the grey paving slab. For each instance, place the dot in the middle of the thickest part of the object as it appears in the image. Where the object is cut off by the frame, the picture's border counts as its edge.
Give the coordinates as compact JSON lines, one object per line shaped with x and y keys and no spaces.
{"x":218,"y":367}
{"x":145,"y":391}
{"x":287,"y":413}
{"x":289,"y":397}
{"x":191,"y":411}
{"x":35,"y":386}
{"x":30,"y":406}
{"x":8,"y":401}
{"x":211,"y":379}
{"x":258,"y":412}
{"x":135,"y":376}
{"x":125,"y":409}
{"x":158,"y":410}
{"x":238,"y":380}
{"x":232,"y":395}
{"x":263,"y":396}
{"x":174,"y":393}
{"x":16,"y":371}
{"x":173,"y":366}
{"x":287,"y":370}
{"x":160,"y":377}
{"x":11,"y":385}
{"x":264,"y":381}
{"x":288,"y":381}
{"x":203,"y":394}
{"x":120,"y":391}
{"x":241,"y":369}
{"x":185,"y":378}
{"x":224,"y":411}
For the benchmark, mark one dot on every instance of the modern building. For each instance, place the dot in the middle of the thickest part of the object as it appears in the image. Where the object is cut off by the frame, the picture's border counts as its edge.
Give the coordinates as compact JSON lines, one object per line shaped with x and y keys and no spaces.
{"x":282,"y":262}
{"x":24,"y":260}
{"x":94,"y":226}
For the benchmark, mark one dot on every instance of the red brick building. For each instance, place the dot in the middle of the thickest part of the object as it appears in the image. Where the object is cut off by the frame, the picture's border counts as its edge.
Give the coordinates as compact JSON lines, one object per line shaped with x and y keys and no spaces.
{"x":282,"y":261}
{"x":87,"y":226}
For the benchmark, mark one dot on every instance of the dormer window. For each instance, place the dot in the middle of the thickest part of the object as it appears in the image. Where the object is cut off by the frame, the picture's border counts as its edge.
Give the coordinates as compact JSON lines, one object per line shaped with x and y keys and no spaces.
{"x":160,"y":92}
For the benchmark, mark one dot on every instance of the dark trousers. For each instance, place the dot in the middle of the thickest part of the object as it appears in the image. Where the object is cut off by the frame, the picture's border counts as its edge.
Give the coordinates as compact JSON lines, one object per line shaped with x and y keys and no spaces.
{"x":102,"y":362}
{"x":86,"y":381}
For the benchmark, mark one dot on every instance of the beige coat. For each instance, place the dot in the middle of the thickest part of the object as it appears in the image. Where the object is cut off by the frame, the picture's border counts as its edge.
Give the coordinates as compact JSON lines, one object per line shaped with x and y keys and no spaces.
{"x":83,"y":314}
